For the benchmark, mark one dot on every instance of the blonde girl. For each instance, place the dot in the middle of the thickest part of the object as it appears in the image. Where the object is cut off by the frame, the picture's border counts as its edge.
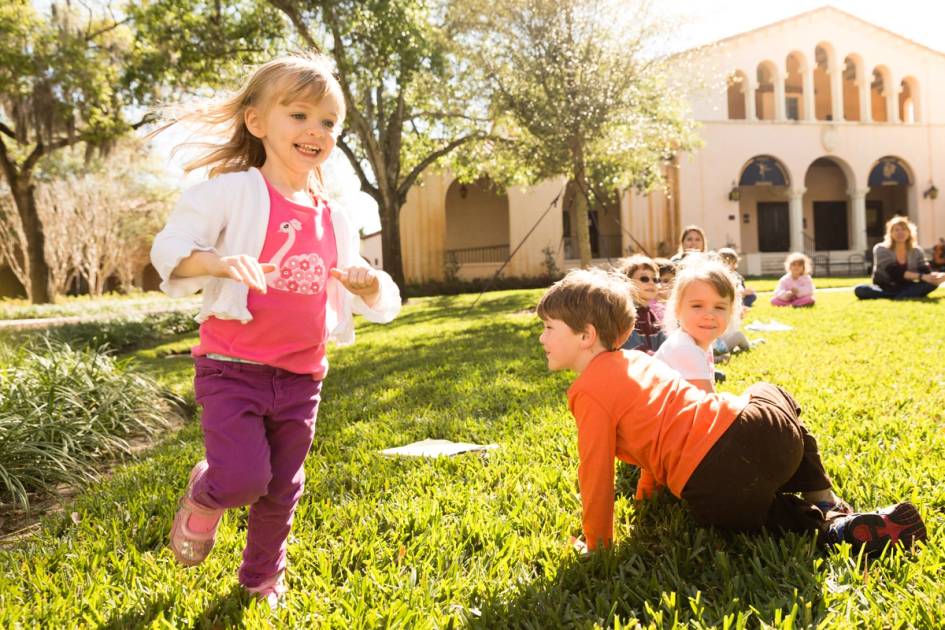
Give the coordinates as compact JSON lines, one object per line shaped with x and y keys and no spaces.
{"x":795,"y":288}
{"x":700,"y":309}
{"x":280,"y":272}
{"x":900,"y":269}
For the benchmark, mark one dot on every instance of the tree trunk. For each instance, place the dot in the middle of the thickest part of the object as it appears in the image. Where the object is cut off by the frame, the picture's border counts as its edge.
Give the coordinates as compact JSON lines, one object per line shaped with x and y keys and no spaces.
{"x":583,"y":226}
{"x":24,"y":195}
{"x":390,"y":239}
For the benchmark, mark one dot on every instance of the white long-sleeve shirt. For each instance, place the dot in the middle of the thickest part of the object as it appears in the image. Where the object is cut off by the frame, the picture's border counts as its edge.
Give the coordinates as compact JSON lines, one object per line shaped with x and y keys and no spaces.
{"x":228,"y":215}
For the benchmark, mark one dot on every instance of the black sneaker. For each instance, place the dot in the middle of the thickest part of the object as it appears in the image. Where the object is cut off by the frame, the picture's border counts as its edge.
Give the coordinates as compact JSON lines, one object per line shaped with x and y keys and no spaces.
{"x":871,"y":531}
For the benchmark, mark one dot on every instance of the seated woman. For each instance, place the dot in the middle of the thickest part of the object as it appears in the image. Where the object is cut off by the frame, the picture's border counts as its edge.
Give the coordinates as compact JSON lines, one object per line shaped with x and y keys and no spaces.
{"x":899,"y":267}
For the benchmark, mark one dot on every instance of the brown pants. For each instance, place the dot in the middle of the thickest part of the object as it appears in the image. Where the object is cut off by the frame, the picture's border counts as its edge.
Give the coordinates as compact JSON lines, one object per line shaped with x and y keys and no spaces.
{"x":746,"y":479}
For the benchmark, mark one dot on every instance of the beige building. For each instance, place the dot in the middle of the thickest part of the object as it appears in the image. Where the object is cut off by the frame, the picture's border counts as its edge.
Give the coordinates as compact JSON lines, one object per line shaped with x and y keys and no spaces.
{"x":816,"y":130}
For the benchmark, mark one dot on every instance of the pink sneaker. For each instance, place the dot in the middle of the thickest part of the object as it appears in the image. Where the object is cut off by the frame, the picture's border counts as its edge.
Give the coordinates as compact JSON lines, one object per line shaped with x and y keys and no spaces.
{"x":190,"y":547}
{"x":270,"y":591}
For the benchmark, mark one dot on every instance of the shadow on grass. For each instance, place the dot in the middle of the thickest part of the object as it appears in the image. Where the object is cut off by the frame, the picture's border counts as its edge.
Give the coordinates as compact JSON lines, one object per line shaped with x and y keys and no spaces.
{"x":669,"y":571}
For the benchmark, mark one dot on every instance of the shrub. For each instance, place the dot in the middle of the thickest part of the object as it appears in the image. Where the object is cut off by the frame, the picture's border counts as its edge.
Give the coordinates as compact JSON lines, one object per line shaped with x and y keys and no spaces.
{"x":65,"y":412}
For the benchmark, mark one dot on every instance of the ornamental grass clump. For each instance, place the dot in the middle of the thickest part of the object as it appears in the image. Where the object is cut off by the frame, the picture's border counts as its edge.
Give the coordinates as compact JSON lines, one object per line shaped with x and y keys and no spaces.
{"x":64,"y":413}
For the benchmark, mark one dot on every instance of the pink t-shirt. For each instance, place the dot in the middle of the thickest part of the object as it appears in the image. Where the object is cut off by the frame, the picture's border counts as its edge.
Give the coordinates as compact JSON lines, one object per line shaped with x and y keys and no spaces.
{"x":288,"y":328}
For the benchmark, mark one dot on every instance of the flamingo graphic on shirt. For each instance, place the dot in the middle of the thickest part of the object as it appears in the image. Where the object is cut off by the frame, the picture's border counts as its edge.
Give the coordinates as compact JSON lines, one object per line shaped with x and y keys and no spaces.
{"x":300,"y":273}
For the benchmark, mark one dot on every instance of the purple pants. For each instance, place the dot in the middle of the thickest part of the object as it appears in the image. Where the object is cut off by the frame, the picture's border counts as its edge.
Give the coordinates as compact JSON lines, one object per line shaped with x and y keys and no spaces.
{"x":258,"y":423}
{"x":804,"y":300}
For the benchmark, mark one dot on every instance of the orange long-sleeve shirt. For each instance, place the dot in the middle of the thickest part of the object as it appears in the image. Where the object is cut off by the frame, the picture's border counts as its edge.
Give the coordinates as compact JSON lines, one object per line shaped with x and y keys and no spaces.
{"x":632,"y":407}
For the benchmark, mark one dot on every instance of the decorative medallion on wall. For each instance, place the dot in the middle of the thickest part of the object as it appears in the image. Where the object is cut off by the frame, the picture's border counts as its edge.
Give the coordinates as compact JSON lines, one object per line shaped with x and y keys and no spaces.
{"x":829,"y":138}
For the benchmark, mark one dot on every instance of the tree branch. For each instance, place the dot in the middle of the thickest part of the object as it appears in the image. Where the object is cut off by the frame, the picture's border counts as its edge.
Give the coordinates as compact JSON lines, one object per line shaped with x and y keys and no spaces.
{"x":90,"y":36}
{"x":7,"y":131}
{"x":433,"y":157}
{"x":287,"y":7}
{"x":356,"y":164}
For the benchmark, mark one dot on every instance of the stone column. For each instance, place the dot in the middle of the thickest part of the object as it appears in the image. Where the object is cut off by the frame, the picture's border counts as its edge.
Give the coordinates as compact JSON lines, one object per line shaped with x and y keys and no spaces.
{"x":858,"y":216}
{"x":779,"y":98}
{"x":796,"y":220}
{"x":749,"y":99}
{"x":809,"y":113}
{"x":866,"y":100}
{"x":892,"y":103}
{"x":836,"y":93}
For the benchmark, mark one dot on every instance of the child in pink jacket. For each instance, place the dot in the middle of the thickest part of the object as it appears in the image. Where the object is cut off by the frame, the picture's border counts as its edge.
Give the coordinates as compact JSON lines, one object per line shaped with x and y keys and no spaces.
{"x":795,"y":288}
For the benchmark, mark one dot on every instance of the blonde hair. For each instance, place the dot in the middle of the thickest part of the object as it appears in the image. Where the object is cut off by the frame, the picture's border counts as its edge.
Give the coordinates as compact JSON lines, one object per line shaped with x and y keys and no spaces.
{"x":798,"y":257}
{"x":703,"y":269}
{"x":727,"y":254}
{"x":284,"y":80}
{"x":592,"y":296}
{"x":900,"y":220}
{"x":685,"y":232}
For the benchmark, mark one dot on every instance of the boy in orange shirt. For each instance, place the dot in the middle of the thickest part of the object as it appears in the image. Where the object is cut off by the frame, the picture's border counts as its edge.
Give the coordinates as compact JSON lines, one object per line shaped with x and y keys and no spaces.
{"x":736,"y":461}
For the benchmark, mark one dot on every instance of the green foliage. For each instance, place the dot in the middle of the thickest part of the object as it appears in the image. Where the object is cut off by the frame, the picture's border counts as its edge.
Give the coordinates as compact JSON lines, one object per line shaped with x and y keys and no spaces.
{"x":119,"y":334}
{"x":88,"y":306}
{"x":482,"y":540}
{"x":578,"y":90}
{"x":66,"y":412}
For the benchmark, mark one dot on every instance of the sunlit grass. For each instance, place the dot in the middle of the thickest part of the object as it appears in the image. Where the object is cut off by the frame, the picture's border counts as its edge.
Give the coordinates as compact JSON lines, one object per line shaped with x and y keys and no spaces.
{"x":482,"y":539}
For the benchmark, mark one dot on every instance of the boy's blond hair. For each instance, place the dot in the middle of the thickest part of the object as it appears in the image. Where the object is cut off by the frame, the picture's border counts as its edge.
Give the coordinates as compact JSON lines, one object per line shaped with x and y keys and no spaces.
{"x":798,"y":257}
{"x":701,"y":268}
{"x":592,"y":296}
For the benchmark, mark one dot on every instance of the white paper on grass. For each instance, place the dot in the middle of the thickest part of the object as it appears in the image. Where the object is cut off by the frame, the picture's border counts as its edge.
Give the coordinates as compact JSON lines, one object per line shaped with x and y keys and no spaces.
{"x":772,"y":326}
{"x":436,"y":448}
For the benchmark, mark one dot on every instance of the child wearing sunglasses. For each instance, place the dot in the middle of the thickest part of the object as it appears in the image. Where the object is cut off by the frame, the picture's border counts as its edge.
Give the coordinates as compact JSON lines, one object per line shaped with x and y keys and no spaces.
{"x":644,"y":275}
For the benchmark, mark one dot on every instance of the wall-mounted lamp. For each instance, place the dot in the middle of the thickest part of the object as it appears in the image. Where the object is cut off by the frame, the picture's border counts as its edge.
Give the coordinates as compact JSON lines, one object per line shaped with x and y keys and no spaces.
{"x":734,"y":194}
{"x":463,"y":191}
{"x":931,"y":193}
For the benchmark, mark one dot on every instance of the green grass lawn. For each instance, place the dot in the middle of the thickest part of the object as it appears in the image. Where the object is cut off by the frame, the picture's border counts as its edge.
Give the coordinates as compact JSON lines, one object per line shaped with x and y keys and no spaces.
{"x":768,"y":283}
{"x":481,"y":540}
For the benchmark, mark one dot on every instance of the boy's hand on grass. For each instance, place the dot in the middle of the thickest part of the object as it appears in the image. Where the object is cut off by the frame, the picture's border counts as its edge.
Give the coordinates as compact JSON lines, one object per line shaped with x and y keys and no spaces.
{"x":361,"y":281}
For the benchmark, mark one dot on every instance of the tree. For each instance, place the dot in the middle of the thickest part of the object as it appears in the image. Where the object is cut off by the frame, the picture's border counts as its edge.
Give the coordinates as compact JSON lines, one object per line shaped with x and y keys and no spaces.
{"x":73,"y":77}
{"x":580,"y":93}
{"x":407,"y":105}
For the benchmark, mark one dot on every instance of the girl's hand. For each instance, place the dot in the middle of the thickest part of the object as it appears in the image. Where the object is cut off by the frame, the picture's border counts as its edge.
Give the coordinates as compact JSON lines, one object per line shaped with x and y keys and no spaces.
{"x":360,"y":281}
{"x":579,"y":546}
{"x":244,"y":269}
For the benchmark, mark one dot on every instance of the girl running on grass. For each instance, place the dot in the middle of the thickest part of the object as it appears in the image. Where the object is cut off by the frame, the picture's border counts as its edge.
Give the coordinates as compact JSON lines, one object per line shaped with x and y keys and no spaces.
{"x":700,"y":309}
{"x":280,"y":272}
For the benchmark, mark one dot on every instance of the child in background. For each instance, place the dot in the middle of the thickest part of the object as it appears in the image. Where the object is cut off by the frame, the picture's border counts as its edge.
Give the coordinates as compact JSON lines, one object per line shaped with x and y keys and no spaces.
{"x":279,"y":267}
{"x":667,"y":276}
{"x":647,"y":335}
{"x":692,"y":240}
{"x":795,"y":288}
{"x":700,"y":309}
{"x":736,"y":461}
{"x":730,"y":257}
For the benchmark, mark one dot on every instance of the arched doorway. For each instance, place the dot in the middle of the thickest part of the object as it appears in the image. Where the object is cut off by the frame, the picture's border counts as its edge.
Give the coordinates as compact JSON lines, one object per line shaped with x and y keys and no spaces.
{"x":737,"y":92}
{"x":823,"y":97}
{"x":794,"y":97}
{"x":763,"y":185}
{"x":852,"y":79}
{"x":827,"y":208}
{"x":890,"y":193}
{"x":765,"y":97}
{"x":477,"y":228}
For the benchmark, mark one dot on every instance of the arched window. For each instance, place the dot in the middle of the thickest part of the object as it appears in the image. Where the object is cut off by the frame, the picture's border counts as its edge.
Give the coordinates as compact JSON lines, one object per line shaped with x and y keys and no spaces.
{"x":737,"y":87}
{"x":878,"y":87}
{"x":794,"y":87}
{"x":908,"y":100}
{"x":852,"y":75}
{"x":764,"y":92}
{"x":823,"y":98}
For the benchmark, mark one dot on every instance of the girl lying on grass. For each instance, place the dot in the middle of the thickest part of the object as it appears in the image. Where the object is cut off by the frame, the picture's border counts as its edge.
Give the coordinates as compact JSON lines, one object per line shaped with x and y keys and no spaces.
{"x":738,"y":462}
{"x":281,"y":275}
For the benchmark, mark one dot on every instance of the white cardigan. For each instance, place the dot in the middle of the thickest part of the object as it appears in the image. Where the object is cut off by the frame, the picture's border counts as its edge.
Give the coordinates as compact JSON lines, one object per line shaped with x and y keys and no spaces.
{"x":229,"y":215}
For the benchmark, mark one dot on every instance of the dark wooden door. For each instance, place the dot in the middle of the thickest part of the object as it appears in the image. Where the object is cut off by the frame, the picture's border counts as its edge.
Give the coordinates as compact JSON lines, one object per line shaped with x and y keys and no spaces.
{"x":830,"y":226}
{"x":774,"y":230}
